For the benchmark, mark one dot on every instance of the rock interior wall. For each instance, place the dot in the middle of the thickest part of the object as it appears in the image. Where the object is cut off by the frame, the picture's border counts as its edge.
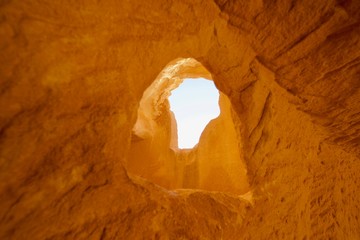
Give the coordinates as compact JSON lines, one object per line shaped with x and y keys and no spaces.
{"x":71,"y":79}
{"x":218,"y":158}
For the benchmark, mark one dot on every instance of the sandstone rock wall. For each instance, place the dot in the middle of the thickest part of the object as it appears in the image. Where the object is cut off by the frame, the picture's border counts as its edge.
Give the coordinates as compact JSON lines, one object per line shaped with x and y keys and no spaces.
{"x":220,"y":163}
{"x":71,"y":78}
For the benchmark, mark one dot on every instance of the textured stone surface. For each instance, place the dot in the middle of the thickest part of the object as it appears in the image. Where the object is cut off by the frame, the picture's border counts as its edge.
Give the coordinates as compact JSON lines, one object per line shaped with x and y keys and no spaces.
{"x":71,"y":78}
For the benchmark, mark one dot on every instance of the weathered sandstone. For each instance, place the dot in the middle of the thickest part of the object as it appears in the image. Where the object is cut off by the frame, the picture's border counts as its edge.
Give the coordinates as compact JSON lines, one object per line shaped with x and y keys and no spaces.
{"x":73,"y":74}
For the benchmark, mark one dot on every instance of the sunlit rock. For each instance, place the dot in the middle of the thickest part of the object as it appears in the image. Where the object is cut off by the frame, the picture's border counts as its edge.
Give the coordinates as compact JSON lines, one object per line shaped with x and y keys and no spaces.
{"x":74,"y":130}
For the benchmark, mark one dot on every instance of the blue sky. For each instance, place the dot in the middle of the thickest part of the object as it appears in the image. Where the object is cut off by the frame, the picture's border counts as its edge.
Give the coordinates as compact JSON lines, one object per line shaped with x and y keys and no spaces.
{"x":194,"y":103}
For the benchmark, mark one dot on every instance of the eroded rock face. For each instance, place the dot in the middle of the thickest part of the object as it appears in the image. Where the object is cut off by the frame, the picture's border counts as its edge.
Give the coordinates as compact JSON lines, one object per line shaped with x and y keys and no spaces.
{"x":73,"y":74}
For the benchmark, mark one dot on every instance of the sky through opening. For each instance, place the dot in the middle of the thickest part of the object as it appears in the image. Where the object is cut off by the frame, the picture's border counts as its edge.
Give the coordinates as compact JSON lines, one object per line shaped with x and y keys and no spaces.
{"x":194,"y":103}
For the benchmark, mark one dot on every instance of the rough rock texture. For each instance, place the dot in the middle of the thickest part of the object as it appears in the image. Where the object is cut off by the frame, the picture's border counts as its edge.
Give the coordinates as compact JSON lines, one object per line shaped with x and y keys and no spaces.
{"x":72,"y":75}
{"x":218,"y":158}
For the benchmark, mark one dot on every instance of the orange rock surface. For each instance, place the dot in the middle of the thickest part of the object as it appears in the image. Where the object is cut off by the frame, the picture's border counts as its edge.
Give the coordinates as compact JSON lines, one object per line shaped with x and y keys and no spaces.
{"x":76,"y":157}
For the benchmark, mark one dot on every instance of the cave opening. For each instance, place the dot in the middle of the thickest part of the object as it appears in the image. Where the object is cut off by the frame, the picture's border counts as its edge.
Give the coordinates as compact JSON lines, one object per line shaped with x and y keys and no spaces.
{"x":194,"y":104}
{"x":155,"y":153}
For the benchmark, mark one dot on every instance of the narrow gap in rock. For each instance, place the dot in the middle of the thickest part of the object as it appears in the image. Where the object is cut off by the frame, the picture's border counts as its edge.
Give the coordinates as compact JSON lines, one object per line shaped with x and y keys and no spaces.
{"x":194,"y":103}
{"x":214,"y":151}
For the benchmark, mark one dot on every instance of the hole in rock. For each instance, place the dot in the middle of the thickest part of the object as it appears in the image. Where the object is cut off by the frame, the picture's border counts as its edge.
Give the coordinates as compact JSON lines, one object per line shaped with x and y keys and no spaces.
{"x":215,"y":162}
{"x":194,"y":103}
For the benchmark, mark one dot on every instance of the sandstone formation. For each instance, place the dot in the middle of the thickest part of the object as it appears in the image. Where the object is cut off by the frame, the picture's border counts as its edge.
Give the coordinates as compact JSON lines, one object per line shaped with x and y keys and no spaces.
{"x":73,"y":78}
